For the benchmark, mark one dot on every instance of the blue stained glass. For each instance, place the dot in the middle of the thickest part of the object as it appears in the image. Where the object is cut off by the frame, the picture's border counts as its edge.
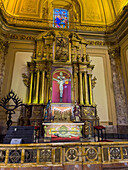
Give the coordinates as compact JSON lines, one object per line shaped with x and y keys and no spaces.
{"x":60,"y":18}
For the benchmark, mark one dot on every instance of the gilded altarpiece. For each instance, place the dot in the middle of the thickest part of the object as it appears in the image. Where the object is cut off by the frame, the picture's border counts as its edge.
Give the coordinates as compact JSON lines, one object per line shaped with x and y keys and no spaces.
{"x":60,"y":81}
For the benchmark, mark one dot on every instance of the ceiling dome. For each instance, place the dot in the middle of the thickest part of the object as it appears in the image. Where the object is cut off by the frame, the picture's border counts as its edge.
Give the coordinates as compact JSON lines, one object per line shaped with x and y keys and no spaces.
{"x":82,"y":12}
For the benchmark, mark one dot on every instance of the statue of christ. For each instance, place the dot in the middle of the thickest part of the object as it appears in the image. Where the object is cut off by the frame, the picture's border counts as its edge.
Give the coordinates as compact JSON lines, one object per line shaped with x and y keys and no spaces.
{"x":61,"y":81}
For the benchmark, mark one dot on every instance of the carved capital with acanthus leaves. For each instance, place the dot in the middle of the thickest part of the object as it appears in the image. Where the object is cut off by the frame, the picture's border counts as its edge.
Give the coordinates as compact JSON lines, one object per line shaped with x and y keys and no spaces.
{"x":4,"y":46}
{"x":38,"y":67}
{"x":114,"y":53}
{"x":31,"y":66}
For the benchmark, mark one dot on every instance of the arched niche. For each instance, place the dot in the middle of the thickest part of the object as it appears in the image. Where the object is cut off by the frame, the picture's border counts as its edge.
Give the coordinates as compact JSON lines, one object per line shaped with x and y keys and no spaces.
{"x":61,"y":86}
{"x":73,"y":6}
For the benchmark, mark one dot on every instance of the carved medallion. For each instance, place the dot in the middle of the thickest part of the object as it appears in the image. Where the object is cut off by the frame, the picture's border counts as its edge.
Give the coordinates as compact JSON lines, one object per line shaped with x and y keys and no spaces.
{"x":45,"y":155}
{"x":91,"y":154}
{"x":115,"y":153}
{"x":71,"y":154}
{"x":14,"y":156}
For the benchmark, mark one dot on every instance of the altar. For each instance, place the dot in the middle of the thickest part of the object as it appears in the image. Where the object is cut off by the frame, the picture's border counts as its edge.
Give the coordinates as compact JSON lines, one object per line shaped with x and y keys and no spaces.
{"x":63,"y":129}
{"x":60,"y":89}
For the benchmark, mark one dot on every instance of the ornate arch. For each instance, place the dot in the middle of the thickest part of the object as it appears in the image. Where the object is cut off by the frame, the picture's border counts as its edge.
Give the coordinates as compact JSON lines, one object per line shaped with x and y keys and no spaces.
{"x":74,"y":7}
{"x":61,"y":92}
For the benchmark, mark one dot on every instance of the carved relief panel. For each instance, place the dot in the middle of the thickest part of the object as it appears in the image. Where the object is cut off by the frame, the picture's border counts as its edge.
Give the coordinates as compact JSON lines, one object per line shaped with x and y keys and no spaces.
{"x":62,"y":49}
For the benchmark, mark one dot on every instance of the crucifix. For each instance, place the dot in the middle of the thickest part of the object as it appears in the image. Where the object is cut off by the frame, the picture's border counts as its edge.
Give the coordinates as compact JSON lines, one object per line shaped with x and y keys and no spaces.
{"x":61,"y":81}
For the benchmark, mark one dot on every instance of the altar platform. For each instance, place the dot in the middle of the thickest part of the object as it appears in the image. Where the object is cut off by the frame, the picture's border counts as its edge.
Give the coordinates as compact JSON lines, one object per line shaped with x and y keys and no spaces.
{"x":64,"y":156}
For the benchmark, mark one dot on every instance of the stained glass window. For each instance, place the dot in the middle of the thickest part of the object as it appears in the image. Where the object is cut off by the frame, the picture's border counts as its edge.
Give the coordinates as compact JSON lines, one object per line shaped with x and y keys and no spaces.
{"x":60,"y":18}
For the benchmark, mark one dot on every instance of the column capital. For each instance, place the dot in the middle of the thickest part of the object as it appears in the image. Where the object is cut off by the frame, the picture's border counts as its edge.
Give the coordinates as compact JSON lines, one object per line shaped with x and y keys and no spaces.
{"x":4,"y":46}
{"x":114,"y":53}
{"x":38,"y":66}
{"x":31,"y":68}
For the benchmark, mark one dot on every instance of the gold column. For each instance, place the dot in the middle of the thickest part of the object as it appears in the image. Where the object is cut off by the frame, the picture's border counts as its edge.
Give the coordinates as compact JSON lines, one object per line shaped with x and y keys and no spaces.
{"x":51,"y":52}
{"x":30,"y":90}
{"x":75,"y":82}
{"x":50,"y":91}
{"x":75,"y":79}
{"x":48,"y":50}
{"x":86,"y":88}
{"x":81,"y":89}
{"x":90,"y":87}
{"x":42,"y":88}
{"x":37,"y":86}
{"x":49,"y":94}
{"x":47,"y":89}
{"x":49,"y":82}
{"x":75,"y":55}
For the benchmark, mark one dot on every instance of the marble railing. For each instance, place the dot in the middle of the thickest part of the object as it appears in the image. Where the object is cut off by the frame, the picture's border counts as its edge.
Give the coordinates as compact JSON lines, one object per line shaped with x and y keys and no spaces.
{"x":58,"y":154}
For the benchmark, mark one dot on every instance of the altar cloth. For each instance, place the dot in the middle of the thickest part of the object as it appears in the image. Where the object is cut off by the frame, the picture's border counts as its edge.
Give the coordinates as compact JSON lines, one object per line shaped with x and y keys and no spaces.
{"x":72,"y":138}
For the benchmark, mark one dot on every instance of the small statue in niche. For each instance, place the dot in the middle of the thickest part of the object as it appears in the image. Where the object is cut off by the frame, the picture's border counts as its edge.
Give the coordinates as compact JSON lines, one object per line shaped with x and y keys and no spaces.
{"x":48,"y":111}
{"x":76,"y":112}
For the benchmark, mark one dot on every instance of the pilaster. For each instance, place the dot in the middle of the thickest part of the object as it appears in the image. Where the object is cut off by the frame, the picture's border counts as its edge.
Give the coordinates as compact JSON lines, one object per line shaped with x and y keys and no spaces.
{"x":118,"y":87}
{"x":3,"y":51}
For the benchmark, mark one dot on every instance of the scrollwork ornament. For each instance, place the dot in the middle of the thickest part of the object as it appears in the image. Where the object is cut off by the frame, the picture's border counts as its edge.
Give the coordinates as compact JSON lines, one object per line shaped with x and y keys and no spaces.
{"x":86,"y":112}
{"x":26,"y":80}
{"x":94,"y":82}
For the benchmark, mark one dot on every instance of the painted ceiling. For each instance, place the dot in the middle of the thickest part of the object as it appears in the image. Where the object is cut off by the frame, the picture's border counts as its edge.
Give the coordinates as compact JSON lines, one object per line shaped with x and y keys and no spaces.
{"x":85,"y":12}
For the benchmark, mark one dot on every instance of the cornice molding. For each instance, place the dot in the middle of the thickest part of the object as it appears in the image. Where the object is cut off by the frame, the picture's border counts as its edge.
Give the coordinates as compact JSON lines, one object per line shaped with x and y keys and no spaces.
{"x":13,"y":36}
